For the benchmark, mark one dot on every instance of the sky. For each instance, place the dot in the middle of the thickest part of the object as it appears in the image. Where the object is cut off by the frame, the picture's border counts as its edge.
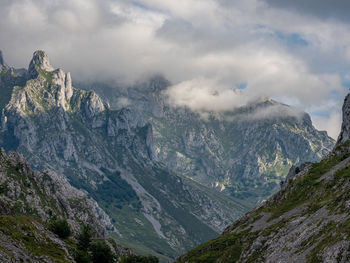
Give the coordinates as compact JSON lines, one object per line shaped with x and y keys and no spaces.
{"x":218,"y":54}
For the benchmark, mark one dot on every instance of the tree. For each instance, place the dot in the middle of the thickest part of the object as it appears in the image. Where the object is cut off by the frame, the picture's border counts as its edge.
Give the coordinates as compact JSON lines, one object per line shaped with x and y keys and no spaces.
{"x":84,"y":238}
{"x":82,"y":256}
{"x":101,"y":252}
{"x":60,"y":227}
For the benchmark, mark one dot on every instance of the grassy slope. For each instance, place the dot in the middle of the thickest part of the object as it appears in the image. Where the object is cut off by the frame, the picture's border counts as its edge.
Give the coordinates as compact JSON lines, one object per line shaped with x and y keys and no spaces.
{"x":310,"y":191}
{"x":28,"y":233}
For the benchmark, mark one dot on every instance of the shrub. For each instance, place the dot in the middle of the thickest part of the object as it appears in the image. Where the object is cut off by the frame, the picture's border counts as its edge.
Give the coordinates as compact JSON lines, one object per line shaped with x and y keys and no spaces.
{"x":60,"y":227}
{"x":101,"y":252}
{"x":82,"y":256}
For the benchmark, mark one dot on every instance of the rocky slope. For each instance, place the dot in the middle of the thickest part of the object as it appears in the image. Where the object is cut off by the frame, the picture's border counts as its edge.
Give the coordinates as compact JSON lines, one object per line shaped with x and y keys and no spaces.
{"x":244,"y":153}
{"x":46,"y":194}
{"x":307,"y":221}
{"x":29,"y":200}
{"x":111,"y":155}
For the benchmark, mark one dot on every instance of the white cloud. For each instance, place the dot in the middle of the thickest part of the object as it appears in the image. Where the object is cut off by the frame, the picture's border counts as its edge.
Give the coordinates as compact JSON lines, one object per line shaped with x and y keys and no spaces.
{"x":330,"y":123}
{"x":205,"y":95}
{"x":201,"y":46}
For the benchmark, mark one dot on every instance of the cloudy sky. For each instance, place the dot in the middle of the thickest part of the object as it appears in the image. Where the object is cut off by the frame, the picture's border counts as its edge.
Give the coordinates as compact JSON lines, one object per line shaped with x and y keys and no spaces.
{"x":297,"y":52}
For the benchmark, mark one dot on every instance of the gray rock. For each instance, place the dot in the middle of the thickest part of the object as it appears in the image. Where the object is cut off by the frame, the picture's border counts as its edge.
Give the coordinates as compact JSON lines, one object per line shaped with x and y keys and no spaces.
{"x":345,"y":128}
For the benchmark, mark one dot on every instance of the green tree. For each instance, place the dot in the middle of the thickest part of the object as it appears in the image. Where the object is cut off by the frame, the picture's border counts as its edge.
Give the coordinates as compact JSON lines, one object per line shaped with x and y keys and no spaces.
{"x":84,"y":238}
{"x":101,"y":252}
{"x":82,"y":256}
{"x":60,"y":227}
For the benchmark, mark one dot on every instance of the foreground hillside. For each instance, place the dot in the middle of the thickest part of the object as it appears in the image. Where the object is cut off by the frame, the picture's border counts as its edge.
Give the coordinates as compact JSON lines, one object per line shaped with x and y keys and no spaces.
{"x":37,"y":208}
{"x":243,"y":153}
{"x":307,"y":221}
{"x":111,"y":156}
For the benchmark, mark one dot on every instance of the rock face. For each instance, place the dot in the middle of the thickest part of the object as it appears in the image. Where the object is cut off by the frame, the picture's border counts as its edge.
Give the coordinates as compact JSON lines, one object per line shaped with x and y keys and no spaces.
{"x":307,"y":221}
{"x":9,"y":77}
{"x":345,"y":129}
{"x":243,"y":153}
{"x":111,"y":155}
{"x":1,"y":59}
{"x":39,"y":63}
{"x":46,"y":194}
{"x":29,"y":200}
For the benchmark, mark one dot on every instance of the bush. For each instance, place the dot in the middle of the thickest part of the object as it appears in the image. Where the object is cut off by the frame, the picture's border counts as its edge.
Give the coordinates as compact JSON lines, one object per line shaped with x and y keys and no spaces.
{"x":101,"y":252}
{"x":60,"y":227}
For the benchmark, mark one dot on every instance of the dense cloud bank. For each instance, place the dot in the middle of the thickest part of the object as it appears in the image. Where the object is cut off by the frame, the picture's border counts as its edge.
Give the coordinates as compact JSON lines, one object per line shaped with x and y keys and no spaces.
{"x":297,"y":52}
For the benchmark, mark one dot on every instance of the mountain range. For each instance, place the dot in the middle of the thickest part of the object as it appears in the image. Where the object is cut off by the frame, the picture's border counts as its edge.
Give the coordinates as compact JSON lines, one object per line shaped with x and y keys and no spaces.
{"x":104,"y":152}
{"x":167,"y":178}
{"x":243,"y":153}
{"x":306,"y":221}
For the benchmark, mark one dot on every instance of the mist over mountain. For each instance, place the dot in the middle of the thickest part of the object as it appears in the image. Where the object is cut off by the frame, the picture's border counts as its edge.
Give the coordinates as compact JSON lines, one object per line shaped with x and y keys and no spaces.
{"x":296,"y":53}
{"x":111,"y":156}
{"x":243,"y":152}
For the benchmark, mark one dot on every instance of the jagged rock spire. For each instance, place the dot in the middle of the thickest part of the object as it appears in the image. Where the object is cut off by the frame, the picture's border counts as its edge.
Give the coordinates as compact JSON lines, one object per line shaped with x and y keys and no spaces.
{"x":1,"y":59}
{"x":39,"y":60}
{"x":345,"y":128}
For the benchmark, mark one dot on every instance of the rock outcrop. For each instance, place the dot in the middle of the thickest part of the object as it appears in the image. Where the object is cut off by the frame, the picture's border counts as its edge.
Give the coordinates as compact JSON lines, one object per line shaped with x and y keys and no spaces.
{"x":345,"y":129}
{"x":2,"y":63}
{"x":40,"y":62}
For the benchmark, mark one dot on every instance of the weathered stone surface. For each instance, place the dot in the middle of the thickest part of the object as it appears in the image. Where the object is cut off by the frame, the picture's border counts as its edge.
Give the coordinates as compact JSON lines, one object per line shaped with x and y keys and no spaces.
{"x":345,"y":129}
{"x":40,"y":61}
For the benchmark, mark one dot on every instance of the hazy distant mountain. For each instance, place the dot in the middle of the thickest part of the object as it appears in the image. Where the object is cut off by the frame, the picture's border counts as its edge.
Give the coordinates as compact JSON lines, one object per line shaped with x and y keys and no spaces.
{"x":244,"y":153}
{"x":112,"y":156}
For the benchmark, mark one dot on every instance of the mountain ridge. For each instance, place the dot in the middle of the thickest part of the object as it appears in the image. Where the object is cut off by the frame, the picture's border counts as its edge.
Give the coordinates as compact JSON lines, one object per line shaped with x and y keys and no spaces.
{"x":108,"y":154}
{"x":32,"y":202}
{"x":306,"y":221}
{"x":243,"y":153}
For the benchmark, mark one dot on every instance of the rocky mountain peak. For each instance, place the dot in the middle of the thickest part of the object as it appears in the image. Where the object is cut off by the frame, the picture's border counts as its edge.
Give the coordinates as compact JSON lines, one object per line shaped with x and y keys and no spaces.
{"x":345,"y":128}
{"x":41,"y":61}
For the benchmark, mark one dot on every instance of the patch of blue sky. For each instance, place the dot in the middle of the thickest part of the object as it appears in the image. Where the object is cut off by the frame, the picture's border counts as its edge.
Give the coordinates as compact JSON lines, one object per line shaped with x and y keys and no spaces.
{"x":241,"y":86}
{"x":320,"y":113}
{"x":140,"y":5}
{"x":291,"y":40}
{"x":346,"y":83}
{"x":148,"y":8}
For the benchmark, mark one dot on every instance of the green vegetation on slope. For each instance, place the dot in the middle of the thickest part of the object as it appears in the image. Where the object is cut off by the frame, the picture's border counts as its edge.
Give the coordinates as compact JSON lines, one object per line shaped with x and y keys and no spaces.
{"x":25,"y":231}
{"x":323,"y":190}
